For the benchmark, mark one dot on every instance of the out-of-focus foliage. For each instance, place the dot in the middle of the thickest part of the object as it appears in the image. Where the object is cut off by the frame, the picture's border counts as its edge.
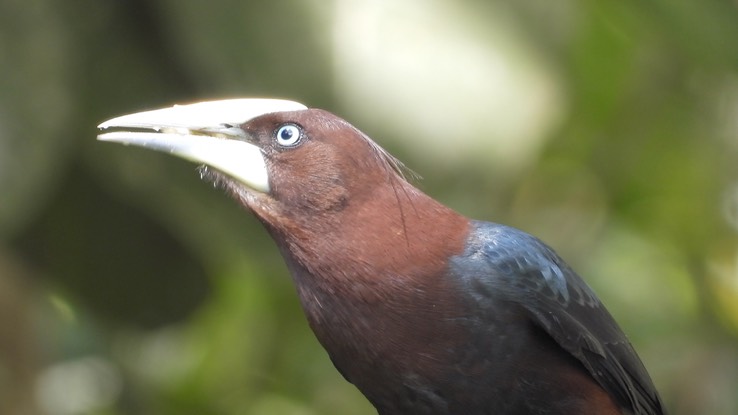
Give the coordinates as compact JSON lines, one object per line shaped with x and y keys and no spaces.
{"x":127,"y":286}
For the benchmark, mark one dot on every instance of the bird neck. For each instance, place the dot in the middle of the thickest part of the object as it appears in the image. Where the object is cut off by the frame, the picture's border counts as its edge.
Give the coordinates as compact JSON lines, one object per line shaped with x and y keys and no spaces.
{"x":358,"y":272}
{"x":393,"y":231}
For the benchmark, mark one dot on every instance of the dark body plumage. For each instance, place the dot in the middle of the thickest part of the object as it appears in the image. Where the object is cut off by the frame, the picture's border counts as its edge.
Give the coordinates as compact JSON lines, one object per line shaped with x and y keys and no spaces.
{"x":424,"y":310}
{"x":507,"y":272}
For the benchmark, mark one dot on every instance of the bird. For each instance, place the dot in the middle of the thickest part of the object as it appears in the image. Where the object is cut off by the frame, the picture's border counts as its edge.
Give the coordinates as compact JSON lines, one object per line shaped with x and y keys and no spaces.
{"x":424,"y":310}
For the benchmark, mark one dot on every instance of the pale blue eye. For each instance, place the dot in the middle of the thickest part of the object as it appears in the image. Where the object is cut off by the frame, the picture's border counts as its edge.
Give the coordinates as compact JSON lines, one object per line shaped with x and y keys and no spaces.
{"x":288,"y":135}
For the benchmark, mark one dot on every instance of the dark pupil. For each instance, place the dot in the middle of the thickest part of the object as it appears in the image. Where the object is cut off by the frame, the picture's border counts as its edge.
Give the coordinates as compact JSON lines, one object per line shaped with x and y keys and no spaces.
{"x":286,"y":134}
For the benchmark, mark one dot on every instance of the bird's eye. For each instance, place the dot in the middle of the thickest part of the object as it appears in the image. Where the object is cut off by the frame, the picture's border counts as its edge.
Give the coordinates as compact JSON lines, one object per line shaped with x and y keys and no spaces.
{"x":288,"y":135}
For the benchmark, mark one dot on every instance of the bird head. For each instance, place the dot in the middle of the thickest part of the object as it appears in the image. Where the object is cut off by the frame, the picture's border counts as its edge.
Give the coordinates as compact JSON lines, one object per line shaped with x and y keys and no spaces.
{"x":279,"y":158}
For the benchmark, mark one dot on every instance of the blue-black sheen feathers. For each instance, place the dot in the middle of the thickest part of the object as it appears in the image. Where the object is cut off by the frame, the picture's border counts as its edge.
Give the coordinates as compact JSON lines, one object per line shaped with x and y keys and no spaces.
{"x":505,"y":265}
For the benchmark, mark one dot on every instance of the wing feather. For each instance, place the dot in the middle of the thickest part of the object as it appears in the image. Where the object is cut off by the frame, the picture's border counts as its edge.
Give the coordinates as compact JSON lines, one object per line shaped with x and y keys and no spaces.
{"x":520,"y":268}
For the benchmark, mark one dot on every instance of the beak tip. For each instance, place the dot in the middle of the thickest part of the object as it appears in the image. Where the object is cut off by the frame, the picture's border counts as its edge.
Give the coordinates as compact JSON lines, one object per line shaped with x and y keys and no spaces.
{"x":102,"y":137}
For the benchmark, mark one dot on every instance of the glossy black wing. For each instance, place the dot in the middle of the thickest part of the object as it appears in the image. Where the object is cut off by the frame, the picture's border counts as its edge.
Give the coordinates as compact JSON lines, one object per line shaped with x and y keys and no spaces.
{"x":520,"y":268}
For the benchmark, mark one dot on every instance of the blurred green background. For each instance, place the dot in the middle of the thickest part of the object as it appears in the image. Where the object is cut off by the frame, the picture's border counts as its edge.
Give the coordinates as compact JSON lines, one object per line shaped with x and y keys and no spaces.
{"x":128,"y":286}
